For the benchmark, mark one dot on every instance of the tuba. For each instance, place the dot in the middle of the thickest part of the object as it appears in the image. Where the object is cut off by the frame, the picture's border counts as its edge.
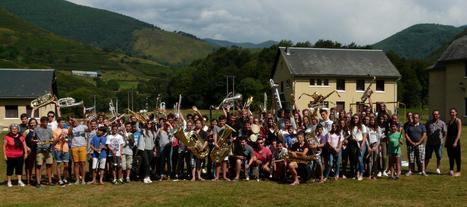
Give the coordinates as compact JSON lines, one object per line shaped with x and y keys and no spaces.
{"x":42,"y":100}
{"x":192,"y":140}
{"x":218,"y":155}
{"x":368,"y":91}
{"x":275,"y":93}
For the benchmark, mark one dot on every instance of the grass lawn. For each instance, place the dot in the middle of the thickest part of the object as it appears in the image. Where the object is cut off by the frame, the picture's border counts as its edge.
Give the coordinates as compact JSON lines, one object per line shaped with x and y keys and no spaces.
{"x":416,"y":190}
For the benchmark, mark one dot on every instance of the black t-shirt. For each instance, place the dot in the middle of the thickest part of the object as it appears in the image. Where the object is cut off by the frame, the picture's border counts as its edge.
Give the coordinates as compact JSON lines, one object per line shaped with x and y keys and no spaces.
{"x":297,"y":148}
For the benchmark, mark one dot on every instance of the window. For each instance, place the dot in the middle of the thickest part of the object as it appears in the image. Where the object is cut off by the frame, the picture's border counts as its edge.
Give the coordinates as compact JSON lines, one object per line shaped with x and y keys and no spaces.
{"x":379,"y":85}
{"x":360,"y":85}
{"x":312,"y":82}
{"x":29,"y":111}
{"x":340,"y":84}
{"x":11,"y":111}
{"x":319,"y":82}
{"x":340,"y":106}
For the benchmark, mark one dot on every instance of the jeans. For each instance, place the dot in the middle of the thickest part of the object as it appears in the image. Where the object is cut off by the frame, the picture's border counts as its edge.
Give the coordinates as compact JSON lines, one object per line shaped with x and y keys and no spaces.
{"x":361,"y":157}
{"x":337,"y":157}
{"x":165,"y":159}
{"x":147,"y":158}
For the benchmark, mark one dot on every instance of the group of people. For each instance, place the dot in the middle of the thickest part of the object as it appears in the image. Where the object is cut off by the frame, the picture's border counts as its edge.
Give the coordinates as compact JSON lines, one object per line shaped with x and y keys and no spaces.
{"x":288,"y":146}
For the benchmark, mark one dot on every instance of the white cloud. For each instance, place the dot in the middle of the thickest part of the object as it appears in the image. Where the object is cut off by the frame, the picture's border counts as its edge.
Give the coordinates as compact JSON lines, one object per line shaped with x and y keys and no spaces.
{"x":361,"y":21}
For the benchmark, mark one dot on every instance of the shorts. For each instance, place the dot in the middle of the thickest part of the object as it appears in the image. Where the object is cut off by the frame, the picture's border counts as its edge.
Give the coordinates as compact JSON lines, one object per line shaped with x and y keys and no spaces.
{"x":395,"y":155}
{"x":416,"y":153}
{"x":44,"y":156}
{"x":61,"y":156}
{"x":79,"y":154}
{"x":438,"y":149}
{"x":96,"y":162}
{"x":127,"y":161}
{"x":115,"y":161}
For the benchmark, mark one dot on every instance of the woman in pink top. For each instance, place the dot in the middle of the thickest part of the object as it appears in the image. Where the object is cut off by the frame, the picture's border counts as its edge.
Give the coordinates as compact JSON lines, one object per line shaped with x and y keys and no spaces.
{"x":334,"y":145}
{"x":14,"y":152}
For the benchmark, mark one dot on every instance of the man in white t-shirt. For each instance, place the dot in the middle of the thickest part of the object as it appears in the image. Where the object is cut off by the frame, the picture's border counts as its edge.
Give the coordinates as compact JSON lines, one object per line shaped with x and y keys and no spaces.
{"x":115,"y":143}
{"x":52,"y":124}
{"x":325,"y":122}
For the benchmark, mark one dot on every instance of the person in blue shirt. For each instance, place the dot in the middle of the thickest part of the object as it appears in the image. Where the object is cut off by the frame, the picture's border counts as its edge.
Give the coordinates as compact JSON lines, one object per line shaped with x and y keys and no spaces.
{"x":99,"y":155}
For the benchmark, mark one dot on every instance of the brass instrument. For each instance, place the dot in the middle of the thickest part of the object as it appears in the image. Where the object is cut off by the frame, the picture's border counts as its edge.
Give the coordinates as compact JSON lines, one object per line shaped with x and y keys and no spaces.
{"x":194,"y":142}
{"x":68,"y":102}
{"x":112,"y":109}
{"x":275,"y":93}
{"x":141,"y":118}
{"x":248,"y":102}
{"x":42,"y":100}
{"x":228,"y":101}
{"x":265,"y":102}
{"x":306,"y":159}
{"x":219,"y":154}
{"x":368,"y":91}
{"x":318,"y":99}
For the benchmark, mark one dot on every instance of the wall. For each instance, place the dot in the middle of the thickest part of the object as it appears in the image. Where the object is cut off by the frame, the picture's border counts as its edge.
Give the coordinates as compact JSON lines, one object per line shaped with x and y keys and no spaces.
{"x":437,"y":91}
{"x":21,"y":103}
{"x":282,"y":74}
{"x":455,"y":92}
{"x":350,"y":95}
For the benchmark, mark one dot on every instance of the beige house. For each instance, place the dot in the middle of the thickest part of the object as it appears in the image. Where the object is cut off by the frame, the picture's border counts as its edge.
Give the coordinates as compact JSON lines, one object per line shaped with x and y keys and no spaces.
{"x":18,"y":87}
{"x":448,"y":81}
{"x":348,"y":71}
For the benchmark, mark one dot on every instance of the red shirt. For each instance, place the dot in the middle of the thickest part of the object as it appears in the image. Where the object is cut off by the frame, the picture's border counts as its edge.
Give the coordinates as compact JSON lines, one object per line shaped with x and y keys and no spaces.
{"x":11,"y":149}
{"x":264,"y":155}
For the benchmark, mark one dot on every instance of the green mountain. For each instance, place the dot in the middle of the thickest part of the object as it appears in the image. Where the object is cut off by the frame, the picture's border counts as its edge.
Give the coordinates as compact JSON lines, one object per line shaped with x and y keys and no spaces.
{"x":109,"y":30}
{"x":420,"y":40}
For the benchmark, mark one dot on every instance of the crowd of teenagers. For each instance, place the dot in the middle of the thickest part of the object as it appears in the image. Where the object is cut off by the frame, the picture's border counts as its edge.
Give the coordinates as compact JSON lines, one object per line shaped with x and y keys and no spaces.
{"x":262,"y":147}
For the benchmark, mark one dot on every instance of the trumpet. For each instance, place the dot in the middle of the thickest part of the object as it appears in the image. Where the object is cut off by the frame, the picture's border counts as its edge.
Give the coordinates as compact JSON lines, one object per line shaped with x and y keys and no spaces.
{"x":229,"y":100}
{"x":141,"y":118}
{"x":248,"y":102}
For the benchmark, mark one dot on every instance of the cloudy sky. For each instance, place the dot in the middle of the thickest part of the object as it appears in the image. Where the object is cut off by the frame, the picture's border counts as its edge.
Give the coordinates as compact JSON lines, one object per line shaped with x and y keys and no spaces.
{"x":361,"y":21}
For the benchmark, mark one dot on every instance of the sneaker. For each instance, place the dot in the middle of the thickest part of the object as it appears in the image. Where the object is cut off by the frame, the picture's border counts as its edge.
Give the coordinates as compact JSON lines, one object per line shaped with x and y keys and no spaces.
{"x":408,"y":173}
{"x":360,"y":178}
{"x":65,"y":181}
{"x":247,"y":178}
{"x":145,"y":181}
{"x":60,"y":182}
{"x":424,"y":173}
{"x":38,"y":185}
{"x":385,"y":174}
{"x":120,"y":181}
{"x":438,"y":171}
{"x":127,"y":180}
{"x":379,"y":174}
{"x":451,"y":173}
{"x":257,"y":180}
{"x":114,"y":181}
{"x":21,"y":184}
{"x":9,"y":184}
{"x":76,"y":182}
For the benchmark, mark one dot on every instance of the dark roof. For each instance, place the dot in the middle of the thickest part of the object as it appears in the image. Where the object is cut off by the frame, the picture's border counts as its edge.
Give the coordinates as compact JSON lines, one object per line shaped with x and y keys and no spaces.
{"x":26,"y":83}
{"x":337,"y":62}
{"x":457,"y":50}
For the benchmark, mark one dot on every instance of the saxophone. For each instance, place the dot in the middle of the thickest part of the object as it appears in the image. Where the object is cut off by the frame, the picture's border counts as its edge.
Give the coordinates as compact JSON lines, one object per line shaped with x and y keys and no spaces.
{"x":193,"y":140}
{"x":218,"y":155}
{"x":306,"y":159}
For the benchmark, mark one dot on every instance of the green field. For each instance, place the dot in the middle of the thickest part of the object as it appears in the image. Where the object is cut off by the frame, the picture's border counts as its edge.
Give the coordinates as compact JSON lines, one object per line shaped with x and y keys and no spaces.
{"x":416,"y":190}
